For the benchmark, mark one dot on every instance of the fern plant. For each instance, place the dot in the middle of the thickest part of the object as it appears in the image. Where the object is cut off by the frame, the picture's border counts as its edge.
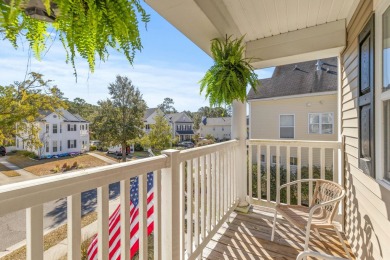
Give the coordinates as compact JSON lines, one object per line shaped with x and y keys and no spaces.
{"x":85,"y":27}
{"x":231,"y":73}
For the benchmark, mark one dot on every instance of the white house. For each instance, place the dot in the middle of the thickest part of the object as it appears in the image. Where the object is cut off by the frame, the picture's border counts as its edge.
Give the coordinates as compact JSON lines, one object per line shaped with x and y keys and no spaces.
{"x":149,"y":116}
{"x":218,"y":127}
{"x":61,"y":133}
{"x":182,"y":125}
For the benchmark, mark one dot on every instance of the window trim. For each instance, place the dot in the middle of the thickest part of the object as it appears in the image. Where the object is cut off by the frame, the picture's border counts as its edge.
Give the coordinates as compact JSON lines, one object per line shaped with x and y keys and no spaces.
{"x":320,"y":122}
{"x":380,"y":96}
{"x":280,"y":115}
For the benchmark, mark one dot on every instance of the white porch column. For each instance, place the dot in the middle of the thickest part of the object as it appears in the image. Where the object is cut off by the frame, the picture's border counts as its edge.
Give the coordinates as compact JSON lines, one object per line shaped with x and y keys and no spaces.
{"x":239,"y":133}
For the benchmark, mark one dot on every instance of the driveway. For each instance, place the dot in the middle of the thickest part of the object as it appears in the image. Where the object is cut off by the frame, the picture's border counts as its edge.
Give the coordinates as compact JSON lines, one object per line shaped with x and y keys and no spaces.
{"x":24,"y":175}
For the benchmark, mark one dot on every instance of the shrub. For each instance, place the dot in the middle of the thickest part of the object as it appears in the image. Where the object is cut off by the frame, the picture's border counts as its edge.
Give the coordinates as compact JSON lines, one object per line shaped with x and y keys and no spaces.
{"x":138,"y":147}
{"x":75,"y":165}
{"x":92,"y":148}
{"x":204,"y":142}
{"x":26,"y":154}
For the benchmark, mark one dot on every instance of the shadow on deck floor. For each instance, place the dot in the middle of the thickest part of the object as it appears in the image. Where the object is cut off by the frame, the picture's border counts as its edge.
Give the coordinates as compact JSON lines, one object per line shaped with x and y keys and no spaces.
{"x":248,"y":236}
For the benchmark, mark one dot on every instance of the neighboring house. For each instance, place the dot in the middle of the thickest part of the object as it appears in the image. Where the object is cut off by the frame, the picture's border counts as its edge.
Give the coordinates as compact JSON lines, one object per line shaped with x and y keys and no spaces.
{"x":61,"y":133}
{"x":219,"y":127}
{"x":298,"y":102}
{"x":150,"y":113}
{"x":182,"y":126}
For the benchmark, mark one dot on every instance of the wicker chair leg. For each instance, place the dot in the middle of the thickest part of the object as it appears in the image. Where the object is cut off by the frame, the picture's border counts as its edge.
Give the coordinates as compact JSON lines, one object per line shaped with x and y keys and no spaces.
{"x":342,"y":242}
{"x":274,"y":226}
{"x":307,"y":238}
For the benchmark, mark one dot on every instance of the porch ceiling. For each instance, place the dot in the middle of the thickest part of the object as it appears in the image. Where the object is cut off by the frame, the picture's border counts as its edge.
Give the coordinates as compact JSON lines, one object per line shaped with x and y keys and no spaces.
{"x":276,"y":31}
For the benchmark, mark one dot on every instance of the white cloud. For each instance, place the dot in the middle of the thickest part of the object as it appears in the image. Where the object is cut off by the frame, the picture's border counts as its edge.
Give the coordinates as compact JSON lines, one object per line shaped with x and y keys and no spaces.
{"x":156,"y":80}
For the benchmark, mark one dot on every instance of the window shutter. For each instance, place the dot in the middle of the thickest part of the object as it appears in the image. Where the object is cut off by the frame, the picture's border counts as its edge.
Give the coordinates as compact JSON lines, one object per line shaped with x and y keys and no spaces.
{"x":68,"y":144}
{"x":75,"y":129}
{"x":68,"y":127}
{"x":75,"y":145}
{"x":366,"y":100}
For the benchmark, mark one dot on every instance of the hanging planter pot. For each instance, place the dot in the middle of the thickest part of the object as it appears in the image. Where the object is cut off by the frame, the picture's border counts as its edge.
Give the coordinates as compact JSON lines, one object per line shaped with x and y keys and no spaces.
{"x":230,"y":75}
{"x":86,"y":28}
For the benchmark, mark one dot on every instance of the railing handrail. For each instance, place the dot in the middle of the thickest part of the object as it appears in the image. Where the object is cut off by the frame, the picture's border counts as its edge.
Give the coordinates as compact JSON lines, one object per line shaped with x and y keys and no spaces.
{"x":203,"y":150}
{"x":29,"y":193}
{"x":295,"y":143}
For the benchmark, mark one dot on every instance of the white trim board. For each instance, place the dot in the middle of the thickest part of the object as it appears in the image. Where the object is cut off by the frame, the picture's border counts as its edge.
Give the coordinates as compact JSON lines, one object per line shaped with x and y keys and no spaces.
{"x":326,"y":93}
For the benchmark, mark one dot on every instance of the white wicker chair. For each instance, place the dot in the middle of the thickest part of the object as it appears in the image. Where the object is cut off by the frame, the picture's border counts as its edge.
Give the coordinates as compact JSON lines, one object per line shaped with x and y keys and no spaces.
{"x":304,"y":255}
{"x":326,"y":198}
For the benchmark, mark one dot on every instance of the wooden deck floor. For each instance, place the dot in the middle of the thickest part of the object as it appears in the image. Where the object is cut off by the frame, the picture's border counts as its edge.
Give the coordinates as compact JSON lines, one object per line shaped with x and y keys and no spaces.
{"x":248,"y":236}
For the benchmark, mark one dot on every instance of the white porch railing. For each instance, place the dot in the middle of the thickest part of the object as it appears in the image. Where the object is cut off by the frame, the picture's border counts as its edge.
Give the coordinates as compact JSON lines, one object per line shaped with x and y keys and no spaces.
{"x":194,"y":192}
{"x":272,"y":163}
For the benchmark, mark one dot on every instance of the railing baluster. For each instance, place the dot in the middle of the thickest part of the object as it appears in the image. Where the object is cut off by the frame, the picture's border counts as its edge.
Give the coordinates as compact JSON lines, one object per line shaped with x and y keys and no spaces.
{"x":288,"y":173}
{"x":182,"y":209}
{"x":230,"y":169}
{"x":125,"y":218}
{"x":250,"y":154}
{"x":322,"y":163}
{"x":213,"y":189}
{"x":209,"y":191}
{"x":259,"y":172}
{"x":196,"y":199}
{"x":143,"y":223}
{"x":218,"y":185}
{"x":268,"y":174}
{"x":221,"y":182}
{"x":157,"y":216}
{"x":189,"y":207}
{"x":34,"y":232}
{"x":277,"y":168}
{"x":102,"y":208}
{"x":299,"y":176}
{"x":225,"y":183}
{"x":202,"y":198}
{"x":310,"y":173}
{"x":74,"y":226}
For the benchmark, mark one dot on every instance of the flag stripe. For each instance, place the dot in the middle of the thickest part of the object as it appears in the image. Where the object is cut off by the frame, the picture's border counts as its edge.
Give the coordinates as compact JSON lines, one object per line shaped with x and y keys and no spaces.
{"x":115,"y":224}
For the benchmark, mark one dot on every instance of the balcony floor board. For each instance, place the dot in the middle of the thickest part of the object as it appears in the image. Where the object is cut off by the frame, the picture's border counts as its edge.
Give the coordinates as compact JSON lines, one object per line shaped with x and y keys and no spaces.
{"x":247,"y":236}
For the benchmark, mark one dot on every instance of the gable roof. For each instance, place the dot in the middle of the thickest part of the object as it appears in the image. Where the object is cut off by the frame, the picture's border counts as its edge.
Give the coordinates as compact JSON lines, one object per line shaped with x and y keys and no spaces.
{"x":63,"y":113}
{"x":299,"y":78}
{"x":179,"y":118}
{"x":215,"y":121}
{"x":149,"y":112}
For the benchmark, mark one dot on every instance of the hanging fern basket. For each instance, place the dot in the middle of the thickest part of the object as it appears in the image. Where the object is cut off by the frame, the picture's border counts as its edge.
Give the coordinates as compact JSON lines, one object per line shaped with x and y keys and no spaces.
{"x":85,"y":27}
{"x":230,"y":75}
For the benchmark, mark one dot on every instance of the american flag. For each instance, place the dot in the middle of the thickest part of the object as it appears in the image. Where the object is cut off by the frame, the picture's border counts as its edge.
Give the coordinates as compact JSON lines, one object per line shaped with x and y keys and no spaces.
{"x":114,"y":223}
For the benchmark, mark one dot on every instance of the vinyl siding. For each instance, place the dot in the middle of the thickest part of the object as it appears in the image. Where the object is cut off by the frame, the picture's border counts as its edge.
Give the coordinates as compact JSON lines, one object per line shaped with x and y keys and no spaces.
{"x":367,"y":205}
{"x":264,"y":116}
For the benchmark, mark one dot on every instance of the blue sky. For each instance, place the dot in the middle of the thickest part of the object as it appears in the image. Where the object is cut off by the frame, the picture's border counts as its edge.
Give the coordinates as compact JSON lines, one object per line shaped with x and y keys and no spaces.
{"x":169,"y":65}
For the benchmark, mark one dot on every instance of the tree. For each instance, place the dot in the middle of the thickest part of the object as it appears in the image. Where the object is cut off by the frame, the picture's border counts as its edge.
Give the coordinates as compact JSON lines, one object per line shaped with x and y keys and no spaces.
{"x":167,"y":106}
{"x":160,"y":135}
{"x":86,"y":28}
{"x":84,"y":109}
{"x":21,"y":104}
{"x":120,"y":118}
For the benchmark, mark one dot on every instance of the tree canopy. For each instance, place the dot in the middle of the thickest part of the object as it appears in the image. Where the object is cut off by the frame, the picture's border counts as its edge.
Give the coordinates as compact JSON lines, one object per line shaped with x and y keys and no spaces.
{"x":120,"y":118}
{"x":167,"y":106}
{"x":21,"y":104}
{"x":160,"y":135}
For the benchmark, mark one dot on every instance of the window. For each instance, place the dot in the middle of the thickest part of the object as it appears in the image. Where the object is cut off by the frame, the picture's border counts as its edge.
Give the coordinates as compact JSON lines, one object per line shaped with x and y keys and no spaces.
{"x":55,"y":128}
{"x":71,"y":144}
{"x":17,"y":143}
{"x":147,"y":126}
{"x":385,"y":95}
{"x":47,"y":147}
{"x":320,"y":123}
{"x":60,"y":128}
{"x":286,"y":126}
{"x":262,"y":158}
{"x":72,"y":127}
{"x":55,"y":146}
{"x":86,"y":127}
{"x":366,"y":142}
{"x":47,"y":128}
{"x":293,"y":161}
{"x":60,"y":146}
{"x":223,"y":129}
{"x":82,"y":127}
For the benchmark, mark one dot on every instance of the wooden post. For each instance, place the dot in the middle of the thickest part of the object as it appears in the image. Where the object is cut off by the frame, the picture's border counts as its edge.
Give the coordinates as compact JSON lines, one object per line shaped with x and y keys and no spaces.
{"x":171,"y":211}
{"x":34,"y":232}
{"x":239,"y":132}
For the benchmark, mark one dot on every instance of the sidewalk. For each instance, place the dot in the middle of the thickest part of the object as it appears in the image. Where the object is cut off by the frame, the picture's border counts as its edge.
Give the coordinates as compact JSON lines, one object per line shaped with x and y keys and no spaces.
{"x":24,"y":175}
{"x":103,"y":158}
